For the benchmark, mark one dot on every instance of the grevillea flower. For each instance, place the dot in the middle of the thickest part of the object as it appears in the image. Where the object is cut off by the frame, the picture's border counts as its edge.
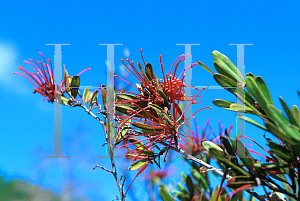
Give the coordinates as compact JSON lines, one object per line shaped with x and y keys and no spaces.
{"x":42,"y":79}
{"x":155,"y":110}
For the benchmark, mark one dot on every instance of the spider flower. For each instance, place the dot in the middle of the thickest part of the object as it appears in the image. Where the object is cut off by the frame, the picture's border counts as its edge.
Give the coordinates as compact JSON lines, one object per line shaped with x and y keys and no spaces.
{"x":155,"y":109}
{"x":42,"y":79}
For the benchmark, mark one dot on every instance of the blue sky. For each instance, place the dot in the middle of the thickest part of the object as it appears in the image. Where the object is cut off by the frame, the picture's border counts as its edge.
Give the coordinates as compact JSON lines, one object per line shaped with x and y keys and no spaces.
{"x":156,"y":26}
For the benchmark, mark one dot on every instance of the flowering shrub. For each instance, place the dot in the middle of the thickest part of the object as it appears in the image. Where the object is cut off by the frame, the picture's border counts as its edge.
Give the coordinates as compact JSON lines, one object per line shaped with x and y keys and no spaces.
{"x":150,"y":120}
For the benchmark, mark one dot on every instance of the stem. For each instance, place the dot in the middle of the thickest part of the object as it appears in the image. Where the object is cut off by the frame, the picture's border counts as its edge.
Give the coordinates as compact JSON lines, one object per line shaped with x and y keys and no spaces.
{"x":109,"y":145}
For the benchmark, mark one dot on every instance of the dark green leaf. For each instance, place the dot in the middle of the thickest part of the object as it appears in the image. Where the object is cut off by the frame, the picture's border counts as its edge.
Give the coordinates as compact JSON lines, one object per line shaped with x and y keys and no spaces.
{"x":284,"y":123}
{"x":165,"y":195}
{"x":264,"y":89}
{"x":75,"y":85}
{"x":288,"y":112}
{"x":190,"y":185}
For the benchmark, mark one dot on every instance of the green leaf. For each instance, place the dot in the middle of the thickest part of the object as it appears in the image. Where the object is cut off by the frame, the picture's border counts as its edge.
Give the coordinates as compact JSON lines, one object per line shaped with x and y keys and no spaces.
{"x":281,"y":152}
{"x":251,"y":121}
{"x":241,"y":108}
{"x":190,"y":186}
{"x":220,"y":156}
{"x":161,"y":113}
{"x":205,"y":67}
{"x":296,"y":114}
{"x":182,"y":190}
{"x":242,"y":180}
{"x":284,"y":123}
{"x":93,"y":100}
{"x":199,"y":178}
{"x":74,"y":85}
{"x":123,"y":131}
{"x":143,"y":126}
{"x":279,"y":133}
{"x":215,"y":194}
{"x":264,"y":89}
{"x":242,"y":153}
{"x":257,"y":93}
{"x":164,"y":193}
{"x":86,"y":98}
{"x":140,"y":146}
{"x":227,"y":82}
{"x":138,"y":164}
{"x":288,"y":112}
{"x":224,"y":66}
{"x":149,"y":72}
{"x":142,"y":71}
{"x":208,"y":145}
{"x":64,"y":101}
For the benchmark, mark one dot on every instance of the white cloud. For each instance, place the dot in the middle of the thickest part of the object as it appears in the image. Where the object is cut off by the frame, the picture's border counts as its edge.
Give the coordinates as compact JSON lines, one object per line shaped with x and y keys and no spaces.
{"x":126,"y":52}
{"x":7,"y":62}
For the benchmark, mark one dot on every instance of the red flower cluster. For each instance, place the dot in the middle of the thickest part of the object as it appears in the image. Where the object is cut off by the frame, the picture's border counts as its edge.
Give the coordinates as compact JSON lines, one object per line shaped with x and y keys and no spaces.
{"x":43,"y":78}
{"x":155,"y":110}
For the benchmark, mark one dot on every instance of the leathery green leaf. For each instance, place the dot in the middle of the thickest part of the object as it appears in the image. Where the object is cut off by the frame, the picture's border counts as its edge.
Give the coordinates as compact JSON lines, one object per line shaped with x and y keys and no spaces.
{"x":215,"y":194}
{"x":165,"y":195}
{"x":284,"y":123}
{"x":279,"y":133}
{"x":190,"y":186}
{"x":226,"y":67}
{"x":199,"y":178}
{"x":123,"y":131}
{"x":251,"y":121}
{"x":227,"y":82}
{"x":86,"y":98}
{"x":64,"y":101}
{"x":296,"y":114}
{"x":242,"y":152}
{"x":208,"y":145}
{"x":161,"y":113}
{"x":149,"y":72}
{"x":288,"y":112}
{"x":142,"y":70}
{"x":74,"y":85}
{"x":140,"y":146}
{"x":255,"y":91}
{"x":93,"y":99}
{"x":220,"y":156}
{"x":138,"y":164}
{"x":205,"y":67}
{"x":264,"y":89}
{"x":242,"y":180}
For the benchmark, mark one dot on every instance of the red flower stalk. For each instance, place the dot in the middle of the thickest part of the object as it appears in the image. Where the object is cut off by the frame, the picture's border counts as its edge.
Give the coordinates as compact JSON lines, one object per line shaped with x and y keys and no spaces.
{"x":43,"y":78}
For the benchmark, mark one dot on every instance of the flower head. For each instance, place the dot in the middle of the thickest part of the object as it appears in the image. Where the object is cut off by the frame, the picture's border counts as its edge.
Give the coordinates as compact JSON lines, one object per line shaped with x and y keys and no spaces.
{"x":42,"y":79}
{"x":155,"y":109}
